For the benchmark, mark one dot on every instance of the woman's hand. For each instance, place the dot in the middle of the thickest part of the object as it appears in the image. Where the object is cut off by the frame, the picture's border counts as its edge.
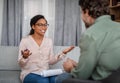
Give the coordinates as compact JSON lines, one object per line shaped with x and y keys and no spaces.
{"x":65,"y":51}
{"x":26,"y":53}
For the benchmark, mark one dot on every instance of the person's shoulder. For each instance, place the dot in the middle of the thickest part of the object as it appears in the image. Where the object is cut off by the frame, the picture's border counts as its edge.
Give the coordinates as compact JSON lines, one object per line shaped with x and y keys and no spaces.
{"x":47,"y":39}
{"x":25,"y":38}
{"x":116,"y":24}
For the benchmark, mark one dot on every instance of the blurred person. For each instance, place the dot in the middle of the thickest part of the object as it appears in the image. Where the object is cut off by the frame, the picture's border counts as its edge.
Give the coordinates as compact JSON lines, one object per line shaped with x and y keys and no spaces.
{"x":100,"y":48}
{"x":36,"y":53}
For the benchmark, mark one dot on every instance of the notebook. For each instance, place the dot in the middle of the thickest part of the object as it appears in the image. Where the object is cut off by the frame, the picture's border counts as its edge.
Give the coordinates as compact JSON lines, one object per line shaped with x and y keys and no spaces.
{"x":51,"y":72}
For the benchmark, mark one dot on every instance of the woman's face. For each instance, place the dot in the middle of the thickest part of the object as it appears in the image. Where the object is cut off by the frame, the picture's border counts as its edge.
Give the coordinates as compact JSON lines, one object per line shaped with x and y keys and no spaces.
{"x":40,"y":27}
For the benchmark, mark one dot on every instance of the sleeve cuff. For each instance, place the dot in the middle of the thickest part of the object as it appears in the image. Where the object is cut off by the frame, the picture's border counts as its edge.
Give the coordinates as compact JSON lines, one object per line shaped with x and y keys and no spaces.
{"x":24,"y":60}
{"x":61,"y":56}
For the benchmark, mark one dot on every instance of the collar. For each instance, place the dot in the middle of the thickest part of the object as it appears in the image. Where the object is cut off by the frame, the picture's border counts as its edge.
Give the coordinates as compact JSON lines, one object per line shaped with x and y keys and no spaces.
{"x":104,"y":17}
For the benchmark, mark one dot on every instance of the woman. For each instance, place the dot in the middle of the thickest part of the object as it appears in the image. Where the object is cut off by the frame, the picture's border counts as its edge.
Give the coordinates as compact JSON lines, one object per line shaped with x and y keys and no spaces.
{"x":36,"y":53}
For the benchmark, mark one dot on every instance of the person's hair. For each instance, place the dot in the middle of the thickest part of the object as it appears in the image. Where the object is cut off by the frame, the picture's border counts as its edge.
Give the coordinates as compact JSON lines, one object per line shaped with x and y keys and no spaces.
{"x":95,"y":8}
{"x":33,"y":22}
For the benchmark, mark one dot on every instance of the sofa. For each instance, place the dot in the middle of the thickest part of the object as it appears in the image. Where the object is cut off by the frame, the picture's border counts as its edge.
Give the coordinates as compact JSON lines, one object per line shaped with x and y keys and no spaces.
{"x":10,"y":70}
{"x":113,"y":78}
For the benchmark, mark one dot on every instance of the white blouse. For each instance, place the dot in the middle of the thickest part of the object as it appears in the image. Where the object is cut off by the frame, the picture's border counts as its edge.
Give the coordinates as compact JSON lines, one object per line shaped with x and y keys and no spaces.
{"x":40,"y":58}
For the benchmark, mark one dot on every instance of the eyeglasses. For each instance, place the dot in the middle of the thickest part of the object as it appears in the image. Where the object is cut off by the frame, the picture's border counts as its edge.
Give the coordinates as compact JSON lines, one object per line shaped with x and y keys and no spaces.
{"x":42,"y":25}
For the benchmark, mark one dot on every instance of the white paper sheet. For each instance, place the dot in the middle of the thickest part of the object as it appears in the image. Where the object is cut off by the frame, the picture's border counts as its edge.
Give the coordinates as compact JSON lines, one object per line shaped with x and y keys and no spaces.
{"x":51,"y":72}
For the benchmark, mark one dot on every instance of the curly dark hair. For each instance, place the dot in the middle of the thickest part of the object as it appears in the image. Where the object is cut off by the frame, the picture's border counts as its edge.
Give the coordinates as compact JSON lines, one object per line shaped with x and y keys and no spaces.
{"x":34,"y":20}
{"x":96,"y":8}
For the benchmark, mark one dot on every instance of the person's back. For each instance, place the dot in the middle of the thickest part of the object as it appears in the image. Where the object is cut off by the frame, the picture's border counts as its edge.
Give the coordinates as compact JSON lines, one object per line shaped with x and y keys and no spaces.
{"x":106,"y":36}
{"x":99,"y":44}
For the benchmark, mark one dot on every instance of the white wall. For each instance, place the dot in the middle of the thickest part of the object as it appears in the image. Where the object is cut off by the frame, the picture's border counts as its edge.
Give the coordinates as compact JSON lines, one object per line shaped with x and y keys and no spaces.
{"x":1,"y":12}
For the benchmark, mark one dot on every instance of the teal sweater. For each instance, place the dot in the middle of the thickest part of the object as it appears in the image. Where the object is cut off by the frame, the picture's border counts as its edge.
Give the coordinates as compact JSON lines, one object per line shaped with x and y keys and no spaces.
{"x":100,"y":50}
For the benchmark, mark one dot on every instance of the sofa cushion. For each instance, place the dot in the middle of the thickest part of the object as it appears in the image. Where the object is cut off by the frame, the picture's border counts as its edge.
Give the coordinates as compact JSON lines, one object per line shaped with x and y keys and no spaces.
{"x":10,"y":77}
{"x":8,"y":58}
{"x":73,"y":80}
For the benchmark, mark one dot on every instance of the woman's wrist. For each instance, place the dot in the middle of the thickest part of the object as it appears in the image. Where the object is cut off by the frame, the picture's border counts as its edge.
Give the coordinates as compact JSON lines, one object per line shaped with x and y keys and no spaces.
{"x":61,"y":55}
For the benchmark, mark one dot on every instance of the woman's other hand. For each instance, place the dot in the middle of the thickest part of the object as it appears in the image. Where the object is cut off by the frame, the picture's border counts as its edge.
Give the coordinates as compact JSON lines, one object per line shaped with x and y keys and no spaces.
{"x":65,"y":51}
{"x":26,"y":53}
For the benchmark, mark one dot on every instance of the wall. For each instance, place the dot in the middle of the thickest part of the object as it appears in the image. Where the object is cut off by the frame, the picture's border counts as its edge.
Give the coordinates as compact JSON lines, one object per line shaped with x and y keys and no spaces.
{"x":1,"y":12}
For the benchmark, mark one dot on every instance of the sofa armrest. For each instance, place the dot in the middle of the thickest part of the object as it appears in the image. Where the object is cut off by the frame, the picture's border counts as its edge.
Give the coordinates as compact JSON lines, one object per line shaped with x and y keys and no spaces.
{"x":10,"y":76}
